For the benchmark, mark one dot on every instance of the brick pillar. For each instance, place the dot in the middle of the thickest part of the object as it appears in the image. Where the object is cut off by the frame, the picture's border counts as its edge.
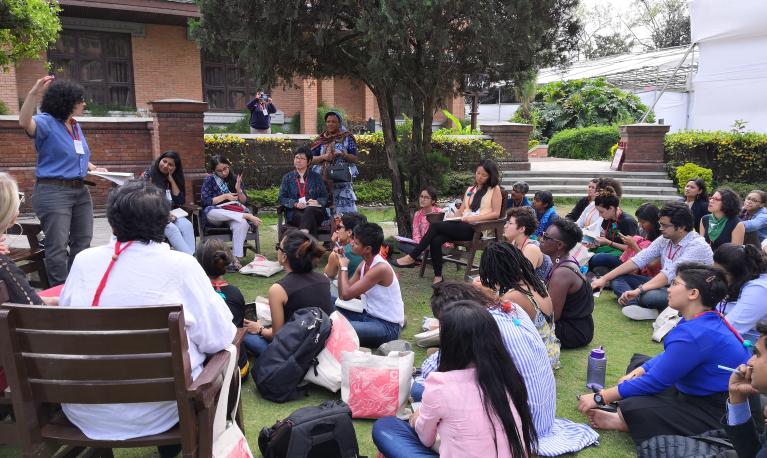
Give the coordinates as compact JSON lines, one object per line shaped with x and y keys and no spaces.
{"x":643,"y":147}
{"x":456,"y":106}
{"x":178,"y":125}
{"x":309,"y":104}
{"x":371,"y":107}
{"x":9,"y":94}
{"x":327,"y":92}
{"x":513,"y":138}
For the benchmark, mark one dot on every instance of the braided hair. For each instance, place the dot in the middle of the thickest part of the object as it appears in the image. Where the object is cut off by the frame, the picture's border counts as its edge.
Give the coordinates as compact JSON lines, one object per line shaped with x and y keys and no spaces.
{"x":504,"y":266}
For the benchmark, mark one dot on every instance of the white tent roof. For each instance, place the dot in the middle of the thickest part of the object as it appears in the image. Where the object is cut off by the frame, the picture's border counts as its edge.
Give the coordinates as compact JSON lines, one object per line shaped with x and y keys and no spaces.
{"x":637,"y":71}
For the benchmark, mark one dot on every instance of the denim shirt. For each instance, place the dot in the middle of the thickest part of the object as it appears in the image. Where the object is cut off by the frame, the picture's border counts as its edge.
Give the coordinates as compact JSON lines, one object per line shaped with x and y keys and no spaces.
{"x":758,"y":222}
{"x":56,"y":155}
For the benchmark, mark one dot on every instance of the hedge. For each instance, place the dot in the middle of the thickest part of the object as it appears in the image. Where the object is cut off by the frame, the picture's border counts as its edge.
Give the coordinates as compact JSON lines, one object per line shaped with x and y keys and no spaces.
{"x":744,"y":188}
{"x":738,"y":157}
{"x":369,"y":192}
{"x":264,"y":160}
{"x":690,"y":171}
{"x":592,"y":142}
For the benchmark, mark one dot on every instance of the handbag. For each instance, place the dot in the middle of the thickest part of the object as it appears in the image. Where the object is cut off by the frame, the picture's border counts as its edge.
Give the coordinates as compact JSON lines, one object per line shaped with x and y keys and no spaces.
{"x":343,"y":337}
{"x":340,"y":173}
{"x":376,"y":386}
{"x":234,"y":208}
{"x":228,"y":439}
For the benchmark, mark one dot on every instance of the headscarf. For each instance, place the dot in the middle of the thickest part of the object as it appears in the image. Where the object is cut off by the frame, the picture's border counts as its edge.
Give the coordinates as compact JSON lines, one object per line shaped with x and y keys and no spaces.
{"x":326,"y":137}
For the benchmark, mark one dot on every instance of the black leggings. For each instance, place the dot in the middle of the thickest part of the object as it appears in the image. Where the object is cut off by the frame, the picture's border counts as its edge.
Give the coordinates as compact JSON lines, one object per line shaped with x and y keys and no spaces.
{"x":310,"y":218}
{"x":437,"y":235}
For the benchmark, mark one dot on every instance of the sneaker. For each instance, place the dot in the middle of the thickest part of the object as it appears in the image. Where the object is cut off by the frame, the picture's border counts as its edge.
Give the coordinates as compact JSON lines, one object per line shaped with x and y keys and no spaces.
{"x":636,"y":312}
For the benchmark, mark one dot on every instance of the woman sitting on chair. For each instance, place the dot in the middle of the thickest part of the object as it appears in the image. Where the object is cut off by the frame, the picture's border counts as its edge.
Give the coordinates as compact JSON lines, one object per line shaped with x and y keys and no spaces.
{"x":222,"y":206}
{"x":303,"y":194}
{"x":167,"y":174}
{"x":481,"y":202}
{"x":427,"y":203}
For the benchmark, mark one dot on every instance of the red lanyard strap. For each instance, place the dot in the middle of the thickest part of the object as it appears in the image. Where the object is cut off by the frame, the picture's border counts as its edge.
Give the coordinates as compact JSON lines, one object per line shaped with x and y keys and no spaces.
{"x":676,"y":252}
{"x":75,"y":134}
{"x":724,"y":320}
{"x":103,"y":283}
{"x":301,"y":189}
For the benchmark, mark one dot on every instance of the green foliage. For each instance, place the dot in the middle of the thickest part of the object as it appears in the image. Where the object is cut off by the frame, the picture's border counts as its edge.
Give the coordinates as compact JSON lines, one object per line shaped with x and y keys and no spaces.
{"x":322,"y":110}
{"x":584,"y":143}
{"x":455,"y":183}
{"x":532,"y":143}
{"x":613,"y":149}
{"x":98,"y":109}
{"x":458,"y":128}
{"x":580,"y":103}
{"x":744,"y":188}
{"x":295,"y":123}
{"x":732,"y":156}
{"x":3,"y":108}
{"x":27,"y":27}
{"x":242,"y":126}
{"x":373,"y":192}
{"x":691,"y":171}
{"x":266,"y":197}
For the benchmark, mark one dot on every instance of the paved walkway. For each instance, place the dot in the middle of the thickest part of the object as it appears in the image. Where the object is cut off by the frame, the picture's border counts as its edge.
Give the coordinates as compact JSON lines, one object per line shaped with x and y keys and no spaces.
{"x":555,"y":164}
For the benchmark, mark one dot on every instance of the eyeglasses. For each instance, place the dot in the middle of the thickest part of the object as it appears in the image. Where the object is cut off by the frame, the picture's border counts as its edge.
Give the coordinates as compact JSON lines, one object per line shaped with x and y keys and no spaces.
{"x":277,"y":247}
{"x":676,"y":282}
{"x":753,"y":199}
{"x":665,"y":226}
{"x":718,"y":199}
{"x":545,"y":236}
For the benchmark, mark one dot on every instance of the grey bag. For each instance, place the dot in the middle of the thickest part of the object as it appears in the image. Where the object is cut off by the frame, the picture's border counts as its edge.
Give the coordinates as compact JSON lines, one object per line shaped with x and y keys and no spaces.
{"x":394,"y":345}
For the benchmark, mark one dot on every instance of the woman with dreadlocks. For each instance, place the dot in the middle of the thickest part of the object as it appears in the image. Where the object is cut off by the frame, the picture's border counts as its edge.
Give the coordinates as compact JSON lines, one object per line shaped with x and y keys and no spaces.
{"x":505,"y":269}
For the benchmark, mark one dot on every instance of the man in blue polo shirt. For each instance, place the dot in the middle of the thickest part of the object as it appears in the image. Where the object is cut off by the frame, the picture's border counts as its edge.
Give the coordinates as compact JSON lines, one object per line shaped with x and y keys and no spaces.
{"x":60,"y":200}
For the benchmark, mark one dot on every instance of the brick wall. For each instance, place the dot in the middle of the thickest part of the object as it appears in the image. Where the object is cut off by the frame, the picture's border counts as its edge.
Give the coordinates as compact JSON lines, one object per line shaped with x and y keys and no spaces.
{"x":350,"y":95}
{"x":166,"y":65}
{"x":27,"y":72}
{"x":9,"y":95}
{"x":287,"y":99}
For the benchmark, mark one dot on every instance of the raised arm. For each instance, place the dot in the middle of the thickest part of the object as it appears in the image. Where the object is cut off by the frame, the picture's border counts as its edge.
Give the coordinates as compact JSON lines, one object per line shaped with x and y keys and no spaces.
{"x":35,"y":95}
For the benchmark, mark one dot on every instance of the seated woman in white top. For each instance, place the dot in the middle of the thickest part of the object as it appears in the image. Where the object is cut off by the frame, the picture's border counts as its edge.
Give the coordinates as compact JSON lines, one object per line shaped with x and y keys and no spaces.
{"x":481,"y":202}
{"x":145,"y":272}
{"x":376,"y":282}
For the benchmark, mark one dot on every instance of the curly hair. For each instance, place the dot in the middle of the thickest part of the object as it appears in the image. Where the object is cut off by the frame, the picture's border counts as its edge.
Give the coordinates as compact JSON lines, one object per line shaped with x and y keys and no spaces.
{"x":503,"y":267}
{"x":524,"y":217}
{"x":604,"y":182}
{"x":569,"y":232}
{"x":138,"y":211}
{"x":60,"y":99}
{"x":607,"y":197}
{"x":731,"y":203}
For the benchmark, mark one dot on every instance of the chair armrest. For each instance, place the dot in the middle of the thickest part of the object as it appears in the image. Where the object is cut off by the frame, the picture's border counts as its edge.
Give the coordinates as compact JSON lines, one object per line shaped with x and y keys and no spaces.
{"x":253,"y":208}
{"x":31,"y":230}
{"x":208,"y":384}
{"x":485,"y":225}
{"x":191,"y":208}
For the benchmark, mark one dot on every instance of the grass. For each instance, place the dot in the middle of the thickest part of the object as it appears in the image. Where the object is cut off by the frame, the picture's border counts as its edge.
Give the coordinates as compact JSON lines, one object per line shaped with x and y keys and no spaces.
{"x":620,"y":337}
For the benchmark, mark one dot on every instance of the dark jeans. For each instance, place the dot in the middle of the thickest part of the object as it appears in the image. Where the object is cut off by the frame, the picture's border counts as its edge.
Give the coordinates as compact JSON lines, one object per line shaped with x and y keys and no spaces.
{"x":653,"y":299}
{"x":372,"y":331}
{"x":395,"y":438}
{"x":66,"y":217}
{"x":255,"y":344}
{"x":439,"y":233}
{"x":601,"y":263}
{"x":310,"y":218}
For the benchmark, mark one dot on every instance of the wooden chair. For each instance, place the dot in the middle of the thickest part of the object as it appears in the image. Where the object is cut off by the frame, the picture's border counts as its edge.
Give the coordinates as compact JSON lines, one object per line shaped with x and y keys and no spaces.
{"x":100,"y":355}
{"x":324,"y":234}
{"x":463,"y":253}
{"x":221,"y":232}
{"x":10,"y":429}
{"x":30,"y":259}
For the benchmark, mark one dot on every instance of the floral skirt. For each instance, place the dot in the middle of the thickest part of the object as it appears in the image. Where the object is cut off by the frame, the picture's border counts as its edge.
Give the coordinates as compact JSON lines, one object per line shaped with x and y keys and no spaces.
{"x":344,"y":198}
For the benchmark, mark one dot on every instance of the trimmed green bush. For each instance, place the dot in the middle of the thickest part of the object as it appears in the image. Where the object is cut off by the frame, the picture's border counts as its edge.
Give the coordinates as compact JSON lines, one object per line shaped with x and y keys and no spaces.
{"x":369,"y":192}
{"x":744,"y":188}
{"x":739,"y":157}
{"x":454,"y":184}
{"x":690,"y":171}
{"x":584,"y":143}
{"x":4,"y":108}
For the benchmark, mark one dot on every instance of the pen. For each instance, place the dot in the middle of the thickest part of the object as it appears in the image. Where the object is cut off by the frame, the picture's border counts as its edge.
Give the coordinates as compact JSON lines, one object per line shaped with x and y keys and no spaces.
{"x":729,"y":369}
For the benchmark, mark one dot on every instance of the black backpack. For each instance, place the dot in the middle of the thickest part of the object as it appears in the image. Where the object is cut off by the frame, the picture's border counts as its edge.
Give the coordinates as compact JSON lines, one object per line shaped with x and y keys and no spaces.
{"x":312,"y":432}
{"x":294,"y":349}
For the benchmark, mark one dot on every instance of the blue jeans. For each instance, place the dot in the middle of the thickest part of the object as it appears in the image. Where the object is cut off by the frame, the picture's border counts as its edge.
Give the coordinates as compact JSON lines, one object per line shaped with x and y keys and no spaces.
{"x":653,"y":299}
{"x":255,"y":344}
{"x":372,"y":331}
{"x":395,"y":438}
{"x":180,"y":235}
{"x":66,"y":216}
{"x":601,"y":263}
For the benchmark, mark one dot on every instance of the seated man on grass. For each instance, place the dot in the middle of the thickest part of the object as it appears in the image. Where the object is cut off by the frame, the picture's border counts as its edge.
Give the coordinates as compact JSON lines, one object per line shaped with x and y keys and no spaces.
{"x":138,"y":269}
{"x":644,"y":297}
{"x":376,"y":282}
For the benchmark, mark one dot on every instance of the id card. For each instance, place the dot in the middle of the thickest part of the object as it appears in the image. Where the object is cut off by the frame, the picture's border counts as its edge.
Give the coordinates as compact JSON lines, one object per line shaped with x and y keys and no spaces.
{"x":79,"y":147}
{"x":168,"y":195}
{"x":265,"y":112}
{"x":302,"y":200}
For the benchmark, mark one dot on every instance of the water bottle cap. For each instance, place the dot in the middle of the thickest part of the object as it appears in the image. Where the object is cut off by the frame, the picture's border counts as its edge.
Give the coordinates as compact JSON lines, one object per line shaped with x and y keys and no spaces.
{"x":597,"y":353}
{"x":584,"y":269}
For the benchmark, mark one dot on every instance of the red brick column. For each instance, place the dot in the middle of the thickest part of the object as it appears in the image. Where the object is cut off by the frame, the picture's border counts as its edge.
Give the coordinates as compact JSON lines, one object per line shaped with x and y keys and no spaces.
{"x":643,"y":147}
{"x":513,"y":138}
{"x":178,"y":126}
{"x":309,"y":104}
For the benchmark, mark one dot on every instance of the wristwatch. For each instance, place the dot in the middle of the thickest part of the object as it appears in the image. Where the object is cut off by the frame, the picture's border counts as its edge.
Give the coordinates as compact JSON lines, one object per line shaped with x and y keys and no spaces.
{"x":599,"y":399}
{"x":344,"y":269}
{"x":260,"y":331}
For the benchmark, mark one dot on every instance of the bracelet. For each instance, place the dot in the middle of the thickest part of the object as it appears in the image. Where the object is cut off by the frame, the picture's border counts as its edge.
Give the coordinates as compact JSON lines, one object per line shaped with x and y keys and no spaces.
{"x":344,"y":269}
{"x":261,"y":330}
{"x":641,"y":289}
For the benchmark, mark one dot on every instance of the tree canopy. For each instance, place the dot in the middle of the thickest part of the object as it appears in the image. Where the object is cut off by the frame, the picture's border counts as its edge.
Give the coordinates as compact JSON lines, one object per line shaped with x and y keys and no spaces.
{"x":416,"y":50}
{"x":27,"y":27}
{"x":580,"y":103}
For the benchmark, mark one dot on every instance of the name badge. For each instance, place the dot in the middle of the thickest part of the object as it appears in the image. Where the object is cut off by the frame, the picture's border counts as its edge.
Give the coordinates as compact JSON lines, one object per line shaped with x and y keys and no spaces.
{"x":302,"y":200}
{"x":266,"y":113}
{"x":167,"y":194}
{"x":79,"y":147}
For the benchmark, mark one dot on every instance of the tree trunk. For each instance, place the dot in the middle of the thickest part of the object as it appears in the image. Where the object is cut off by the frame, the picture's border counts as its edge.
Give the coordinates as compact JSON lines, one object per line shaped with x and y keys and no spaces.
{"x":385,"y":109}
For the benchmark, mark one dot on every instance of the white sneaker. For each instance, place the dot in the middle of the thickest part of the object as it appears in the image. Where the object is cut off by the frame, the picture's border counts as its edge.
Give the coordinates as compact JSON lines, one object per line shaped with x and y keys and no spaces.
{"x":636,"y":312}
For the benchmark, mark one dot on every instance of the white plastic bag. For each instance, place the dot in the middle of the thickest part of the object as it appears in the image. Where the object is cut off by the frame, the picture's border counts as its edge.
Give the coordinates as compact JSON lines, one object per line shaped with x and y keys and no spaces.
{"x":376,"y":386}
{"x":353,"y":305}
{"x":261,"y":266}
{"x":666,"y":321}
{"x":228,"y":439}
{"x":342,"y":338}
{"x":263,"y":311}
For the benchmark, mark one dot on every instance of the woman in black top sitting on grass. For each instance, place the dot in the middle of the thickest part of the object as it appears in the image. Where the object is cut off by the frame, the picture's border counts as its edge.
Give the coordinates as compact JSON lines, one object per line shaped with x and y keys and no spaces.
{"x":570,"y":293}
{"x":615,"y":224}
{"x":696,"y":198}
{"x":300,"y":288}
{"x":723,"y":225}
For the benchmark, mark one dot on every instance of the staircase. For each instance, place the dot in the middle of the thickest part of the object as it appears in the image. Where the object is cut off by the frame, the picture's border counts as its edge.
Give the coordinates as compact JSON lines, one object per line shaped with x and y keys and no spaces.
{"x":570,"y":178}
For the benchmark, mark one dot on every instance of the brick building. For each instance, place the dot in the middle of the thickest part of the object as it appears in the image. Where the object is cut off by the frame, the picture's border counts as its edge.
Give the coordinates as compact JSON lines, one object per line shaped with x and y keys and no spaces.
{"x":127,"y":53}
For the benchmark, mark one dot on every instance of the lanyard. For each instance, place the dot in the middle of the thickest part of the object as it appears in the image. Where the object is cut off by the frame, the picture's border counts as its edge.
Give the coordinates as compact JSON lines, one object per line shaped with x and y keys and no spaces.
{"x":671,"y":256}
{"x":75,"y":134}
{"x":103,"y":283}
{"x":724,"y":320}
{"x":301,"y":189}
{"x":527,"y":239}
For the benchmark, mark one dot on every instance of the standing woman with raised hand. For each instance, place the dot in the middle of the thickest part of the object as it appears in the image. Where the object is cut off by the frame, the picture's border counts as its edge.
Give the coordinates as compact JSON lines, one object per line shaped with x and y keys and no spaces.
{"x":167,"y":173}
{"x":722,"y":225}
{"x":60,"y":200}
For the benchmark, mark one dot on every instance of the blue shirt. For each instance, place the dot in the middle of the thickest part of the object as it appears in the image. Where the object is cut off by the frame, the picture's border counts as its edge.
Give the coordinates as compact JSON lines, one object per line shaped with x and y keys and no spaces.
{"x":749,"y":309}
{"x":692,"y":352}
{"x":56,"y":155}
{"x":758,"y":222}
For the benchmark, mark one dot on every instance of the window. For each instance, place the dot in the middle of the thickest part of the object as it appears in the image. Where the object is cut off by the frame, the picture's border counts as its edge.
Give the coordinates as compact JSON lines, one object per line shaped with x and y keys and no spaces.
{"x":226,"y":86}
{"x":100,"y":62}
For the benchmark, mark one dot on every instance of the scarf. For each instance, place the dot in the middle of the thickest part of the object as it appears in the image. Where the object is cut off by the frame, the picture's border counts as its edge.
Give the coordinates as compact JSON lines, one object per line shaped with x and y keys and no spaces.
{"x":217,"y":284}
{"x":221,"y":184}
{"x":715,"y":226}
{"x":544,"y":219}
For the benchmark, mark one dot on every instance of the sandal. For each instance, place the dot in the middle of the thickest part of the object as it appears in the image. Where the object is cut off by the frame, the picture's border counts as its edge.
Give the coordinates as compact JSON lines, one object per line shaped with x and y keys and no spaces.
{"x":394,"y":263}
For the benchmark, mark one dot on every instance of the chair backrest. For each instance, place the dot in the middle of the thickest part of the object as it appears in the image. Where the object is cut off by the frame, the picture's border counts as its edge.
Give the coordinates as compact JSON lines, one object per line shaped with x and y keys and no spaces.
{"x":197,"y":191}
{"x":4,"y":296}
{"x":95,"y":355}
{"x":504,"y":200}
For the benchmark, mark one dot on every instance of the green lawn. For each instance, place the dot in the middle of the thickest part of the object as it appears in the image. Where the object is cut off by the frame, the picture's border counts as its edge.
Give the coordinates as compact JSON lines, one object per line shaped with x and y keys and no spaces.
{"x":620,"y":336}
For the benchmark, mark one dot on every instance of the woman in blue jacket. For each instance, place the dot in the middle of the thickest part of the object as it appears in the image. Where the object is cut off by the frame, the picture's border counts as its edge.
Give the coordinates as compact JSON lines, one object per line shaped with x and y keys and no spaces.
{"x":681,"y":391}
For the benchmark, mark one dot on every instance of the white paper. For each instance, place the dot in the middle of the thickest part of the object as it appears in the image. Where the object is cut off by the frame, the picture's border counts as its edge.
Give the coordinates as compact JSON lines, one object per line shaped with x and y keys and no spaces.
{"x":115,"y":177}
{"x":179,"y":213}
{"x":399,"y":238}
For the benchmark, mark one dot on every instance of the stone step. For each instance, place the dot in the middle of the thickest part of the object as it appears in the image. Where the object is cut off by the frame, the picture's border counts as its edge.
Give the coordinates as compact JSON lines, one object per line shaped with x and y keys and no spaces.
{"x":583,"y":181}
{"x":649,"y":197}
{"x":521,"y":174}
{"x":556,"y":187}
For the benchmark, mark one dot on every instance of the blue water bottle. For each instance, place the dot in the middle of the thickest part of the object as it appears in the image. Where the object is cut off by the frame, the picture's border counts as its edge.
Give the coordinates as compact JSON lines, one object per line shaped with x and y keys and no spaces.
{"x":596,"y":369}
